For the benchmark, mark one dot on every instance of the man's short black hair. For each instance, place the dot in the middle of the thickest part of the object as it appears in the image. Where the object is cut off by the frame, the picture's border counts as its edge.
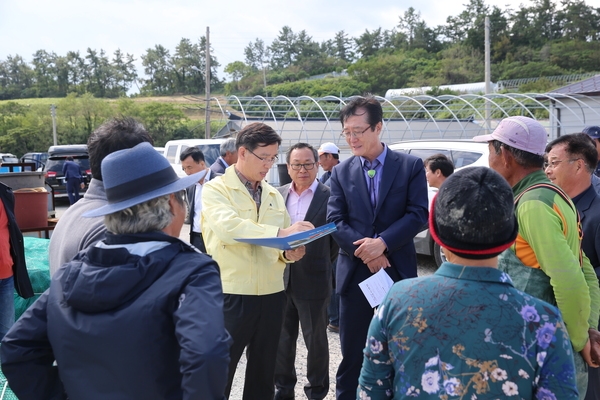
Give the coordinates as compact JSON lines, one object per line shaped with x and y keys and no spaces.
{"x":441,"y":162}
{"x":578,"y":145}
{"x":368,"y":103}
{"x":113,"y":135}
{"x":257,"y":135}
{"x":194,"y":151}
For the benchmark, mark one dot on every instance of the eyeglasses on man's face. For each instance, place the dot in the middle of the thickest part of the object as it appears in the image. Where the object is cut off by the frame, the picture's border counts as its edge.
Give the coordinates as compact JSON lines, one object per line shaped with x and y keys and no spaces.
{"x":356,"y":135}
{"x":554,"y":163}
{"x":298,"y":167}
{"x":264,"y":159}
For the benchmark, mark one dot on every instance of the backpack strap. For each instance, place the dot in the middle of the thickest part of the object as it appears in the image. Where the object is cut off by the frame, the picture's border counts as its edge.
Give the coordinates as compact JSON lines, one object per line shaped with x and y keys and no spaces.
{"x":566,"y":198}
{"x":554,"y":188}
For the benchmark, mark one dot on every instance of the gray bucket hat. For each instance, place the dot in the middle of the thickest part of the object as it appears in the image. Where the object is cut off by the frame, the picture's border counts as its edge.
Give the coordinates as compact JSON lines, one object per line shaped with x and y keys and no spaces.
{"x":133,"y":176}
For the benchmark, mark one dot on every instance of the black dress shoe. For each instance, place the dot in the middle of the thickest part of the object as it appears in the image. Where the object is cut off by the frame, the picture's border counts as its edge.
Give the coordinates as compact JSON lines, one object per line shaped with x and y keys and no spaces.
{"x":279,"y":395}
{"x":333,"y":328}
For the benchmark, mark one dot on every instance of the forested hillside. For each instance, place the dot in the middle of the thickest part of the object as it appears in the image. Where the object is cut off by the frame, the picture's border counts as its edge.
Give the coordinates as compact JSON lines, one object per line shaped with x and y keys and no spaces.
{"x":543,"y":38}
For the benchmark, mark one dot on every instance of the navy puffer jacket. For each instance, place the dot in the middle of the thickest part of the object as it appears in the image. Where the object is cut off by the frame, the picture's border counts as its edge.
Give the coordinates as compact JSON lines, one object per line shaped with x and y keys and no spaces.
{"x":134,"y":317}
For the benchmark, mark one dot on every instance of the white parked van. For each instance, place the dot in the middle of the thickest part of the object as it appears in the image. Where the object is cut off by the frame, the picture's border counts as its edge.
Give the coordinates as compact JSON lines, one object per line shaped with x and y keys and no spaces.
{"x":174,"y":148}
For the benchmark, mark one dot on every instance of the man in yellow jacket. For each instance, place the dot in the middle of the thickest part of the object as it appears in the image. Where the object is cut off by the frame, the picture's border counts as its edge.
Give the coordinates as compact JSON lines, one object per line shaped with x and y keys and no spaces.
{"x":241,"y":204}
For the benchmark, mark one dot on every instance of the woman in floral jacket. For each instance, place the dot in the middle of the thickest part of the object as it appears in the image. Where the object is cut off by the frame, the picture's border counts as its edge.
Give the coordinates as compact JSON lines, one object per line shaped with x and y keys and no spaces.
{"x":466,"y":332}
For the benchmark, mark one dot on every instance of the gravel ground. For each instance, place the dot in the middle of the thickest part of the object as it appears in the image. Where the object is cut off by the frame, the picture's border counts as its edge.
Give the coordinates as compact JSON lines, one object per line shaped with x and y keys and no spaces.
{"x":426,"y":266}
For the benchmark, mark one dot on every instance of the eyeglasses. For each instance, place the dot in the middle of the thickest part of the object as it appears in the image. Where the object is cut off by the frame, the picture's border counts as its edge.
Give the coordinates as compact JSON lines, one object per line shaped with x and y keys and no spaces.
{"x":264,"y":160}
{"x":354,"y":134}
{"x":298,"y":167}
{"x":554,"y":163}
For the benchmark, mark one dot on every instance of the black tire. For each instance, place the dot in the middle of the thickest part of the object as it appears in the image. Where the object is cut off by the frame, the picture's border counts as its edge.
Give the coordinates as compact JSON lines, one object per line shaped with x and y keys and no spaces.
{"x":437,"y":254}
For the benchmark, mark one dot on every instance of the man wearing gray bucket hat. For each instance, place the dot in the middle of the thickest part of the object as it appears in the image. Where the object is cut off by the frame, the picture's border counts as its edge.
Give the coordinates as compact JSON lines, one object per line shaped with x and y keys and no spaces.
{"x":546,"y":260}
{"x":138,"y":315}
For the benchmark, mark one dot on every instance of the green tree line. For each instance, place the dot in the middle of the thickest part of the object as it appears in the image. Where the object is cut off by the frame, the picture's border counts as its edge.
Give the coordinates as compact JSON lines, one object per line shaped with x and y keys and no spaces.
{"x":28,"y":127}
{"x":545,"y":38}
{"x":52,"y":75}
{"x":540,"y":38}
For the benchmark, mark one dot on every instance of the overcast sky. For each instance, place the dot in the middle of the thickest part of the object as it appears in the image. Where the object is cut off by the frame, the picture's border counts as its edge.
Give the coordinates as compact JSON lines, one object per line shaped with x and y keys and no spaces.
{"x":136,"y":25}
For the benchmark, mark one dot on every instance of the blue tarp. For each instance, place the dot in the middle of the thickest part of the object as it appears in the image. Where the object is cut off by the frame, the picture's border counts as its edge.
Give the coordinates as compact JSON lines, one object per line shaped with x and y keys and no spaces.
{"x":36,"y":256}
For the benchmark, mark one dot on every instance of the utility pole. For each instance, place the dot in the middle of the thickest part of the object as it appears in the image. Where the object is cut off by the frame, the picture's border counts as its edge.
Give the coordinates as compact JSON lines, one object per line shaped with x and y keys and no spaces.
{"x":264,"y":79}
{"x":262,"y":63}
{"x":207,"y":83}
{"x":488,"y":74}
{"x":53,"y":113}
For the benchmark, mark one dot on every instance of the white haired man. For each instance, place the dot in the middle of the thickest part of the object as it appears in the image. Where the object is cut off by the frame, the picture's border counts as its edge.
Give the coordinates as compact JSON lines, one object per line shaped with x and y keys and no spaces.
{"x":228,"y":156}
{"x":138,"y":315}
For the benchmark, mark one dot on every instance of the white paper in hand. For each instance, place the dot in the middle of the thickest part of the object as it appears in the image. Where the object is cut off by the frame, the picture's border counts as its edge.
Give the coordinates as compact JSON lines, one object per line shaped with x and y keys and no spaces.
{"x":376,"y":287}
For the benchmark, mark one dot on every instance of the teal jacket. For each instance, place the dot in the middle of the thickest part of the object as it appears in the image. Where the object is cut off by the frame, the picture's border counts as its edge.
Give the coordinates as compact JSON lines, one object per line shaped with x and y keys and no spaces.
{"x":466,"y":332}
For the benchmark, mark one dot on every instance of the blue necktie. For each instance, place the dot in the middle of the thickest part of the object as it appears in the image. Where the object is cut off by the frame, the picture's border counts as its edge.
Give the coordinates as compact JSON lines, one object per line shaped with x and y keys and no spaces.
{"x":371,"y":172}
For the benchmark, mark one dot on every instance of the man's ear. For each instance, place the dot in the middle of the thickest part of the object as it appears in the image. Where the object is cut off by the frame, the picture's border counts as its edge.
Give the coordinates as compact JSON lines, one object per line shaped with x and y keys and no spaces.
{"x":507,"y":157}
{"x":378,"y":127}
{"x":172,"y":203}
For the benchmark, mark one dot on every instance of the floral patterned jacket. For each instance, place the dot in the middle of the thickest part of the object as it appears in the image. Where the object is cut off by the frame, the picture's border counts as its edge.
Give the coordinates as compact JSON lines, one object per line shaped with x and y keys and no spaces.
{"x":466,"y":333}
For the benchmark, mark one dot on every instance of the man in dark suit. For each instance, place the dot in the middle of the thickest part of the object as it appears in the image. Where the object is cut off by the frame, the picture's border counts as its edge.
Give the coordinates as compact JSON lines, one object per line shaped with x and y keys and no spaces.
{"x":72,"y":172}
{"x":228,"y":157}
{"x":307,"y":282}
{"x":192,"y":161}
{"x":329,"y":157}
{"x":571,"y":163}
{"x":379,"y":203}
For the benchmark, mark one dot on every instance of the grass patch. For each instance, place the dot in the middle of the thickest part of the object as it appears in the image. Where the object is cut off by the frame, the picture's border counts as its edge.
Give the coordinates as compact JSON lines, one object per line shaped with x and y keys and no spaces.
{"x":182,"y":100}
{"x":35,"y":101}
{"x":192,"y":106}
